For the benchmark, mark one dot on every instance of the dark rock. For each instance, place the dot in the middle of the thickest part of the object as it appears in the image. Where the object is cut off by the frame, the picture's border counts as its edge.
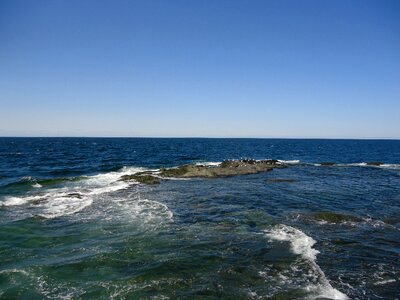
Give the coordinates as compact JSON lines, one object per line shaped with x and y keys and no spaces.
{"x":327,"y":163}
{"x":332,"y":217}
{"x":143,"y":177}
{"x":374,"y":163}
{"x":75,"y":195}
{"x":288,"y":180}
{"x":178,"y":171}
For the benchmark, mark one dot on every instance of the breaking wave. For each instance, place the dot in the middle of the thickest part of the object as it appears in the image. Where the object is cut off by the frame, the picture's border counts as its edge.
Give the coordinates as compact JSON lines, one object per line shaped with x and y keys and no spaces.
{"x":289,"y":162}
{"x":314,"y":282}
{"x":73,"y":197}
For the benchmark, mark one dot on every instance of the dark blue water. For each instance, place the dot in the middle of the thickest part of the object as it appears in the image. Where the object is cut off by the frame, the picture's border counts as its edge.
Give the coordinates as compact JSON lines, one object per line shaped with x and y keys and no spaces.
{"x":70,"y":229}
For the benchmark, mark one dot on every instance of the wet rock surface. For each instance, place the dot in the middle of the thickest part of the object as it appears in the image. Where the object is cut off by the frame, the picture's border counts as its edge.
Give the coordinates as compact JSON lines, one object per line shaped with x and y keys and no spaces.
{"x":226,"y":168}
{"x":143,"y":177}
{"x":327,"y":163}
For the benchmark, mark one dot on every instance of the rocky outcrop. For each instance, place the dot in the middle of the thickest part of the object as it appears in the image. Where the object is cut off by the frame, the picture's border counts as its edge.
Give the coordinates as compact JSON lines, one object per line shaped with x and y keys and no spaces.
{"x":142,"y":177}
{"x":226,"y":168}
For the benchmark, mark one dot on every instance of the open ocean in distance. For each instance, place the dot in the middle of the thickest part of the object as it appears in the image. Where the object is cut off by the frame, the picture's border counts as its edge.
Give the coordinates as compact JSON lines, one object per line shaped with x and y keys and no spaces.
{"x":69,"y":229}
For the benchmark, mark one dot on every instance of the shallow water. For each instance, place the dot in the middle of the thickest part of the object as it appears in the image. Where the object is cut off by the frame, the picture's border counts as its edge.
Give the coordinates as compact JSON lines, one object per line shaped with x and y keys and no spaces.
{"x":69,"y":228}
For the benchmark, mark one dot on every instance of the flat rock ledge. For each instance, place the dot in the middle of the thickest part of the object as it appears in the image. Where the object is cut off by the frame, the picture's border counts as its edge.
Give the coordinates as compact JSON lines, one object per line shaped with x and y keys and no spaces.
{"x":225,"y":169}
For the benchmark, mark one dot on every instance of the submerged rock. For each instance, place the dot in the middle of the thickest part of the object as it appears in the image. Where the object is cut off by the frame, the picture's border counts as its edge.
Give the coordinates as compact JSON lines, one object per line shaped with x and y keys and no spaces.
{"x":332,"y":217}
{"x":74,"y":195}
{"x":327,"y":163}
{"x":374,"y":163}
{"x":288,"y":180}
{"x":226,"y":168}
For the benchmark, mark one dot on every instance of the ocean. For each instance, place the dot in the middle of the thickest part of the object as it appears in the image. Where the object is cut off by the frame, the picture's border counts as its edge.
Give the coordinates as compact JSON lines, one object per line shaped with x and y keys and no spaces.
{"x":325,"y":227}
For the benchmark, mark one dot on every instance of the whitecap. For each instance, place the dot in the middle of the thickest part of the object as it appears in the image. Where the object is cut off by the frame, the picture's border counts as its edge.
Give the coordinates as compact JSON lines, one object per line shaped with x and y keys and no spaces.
{"x":11,"y":201}
{"x":382,"y":282}
{"x":75,"y":196}
{"x":361,"y":164}
{"x":301,"y":244}
{"x":390,"y":166}
{"x":289,"y":162}
{"x":365,"y":164}
{"x":16,"y":201}
{"x":104,"y":179}
{"x":108,"y":189}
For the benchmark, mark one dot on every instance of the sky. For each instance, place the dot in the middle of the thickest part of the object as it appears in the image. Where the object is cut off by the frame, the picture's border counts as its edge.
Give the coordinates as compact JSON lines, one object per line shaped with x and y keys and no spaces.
{"x":204,"y":68}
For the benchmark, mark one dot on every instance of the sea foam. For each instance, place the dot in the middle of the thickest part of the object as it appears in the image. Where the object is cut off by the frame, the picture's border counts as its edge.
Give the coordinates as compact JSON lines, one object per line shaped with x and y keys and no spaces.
{"x":289,"y":162}
{"x":365,"y":164}
{"x":301,"y":244}
{"x":208,"y":163}
{"x":74,"y":196}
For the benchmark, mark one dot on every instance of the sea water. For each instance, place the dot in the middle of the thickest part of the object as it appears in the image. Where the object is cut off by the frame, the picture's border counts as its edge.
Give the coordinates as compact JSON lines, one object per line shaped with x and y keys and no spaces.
{"x":69,"y":228}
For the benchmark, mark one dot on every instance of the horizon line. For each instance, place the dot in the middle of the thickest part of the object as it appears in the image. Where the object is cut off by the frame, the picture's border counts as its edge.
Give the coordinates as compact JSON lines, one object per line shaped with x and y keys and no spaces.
{"x":206,"y":137}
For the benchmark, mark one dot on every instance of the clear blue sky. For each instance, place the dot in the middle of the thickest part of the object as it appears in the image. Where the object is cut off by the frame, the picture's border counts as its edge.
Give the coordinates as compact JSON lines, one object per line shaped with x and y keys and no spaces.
{"x":200,"y":68}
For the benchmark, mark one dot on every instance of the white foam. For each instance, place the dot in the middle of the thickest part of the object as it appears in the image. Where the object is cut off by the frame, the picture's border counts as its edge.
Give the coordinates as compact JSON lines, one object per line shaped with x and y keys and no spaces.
{"x":300,"y":242}
{"x":289,"y":162}
{"x":150,"y":210}
{"x":208,"y":163}
{"x":385,"y":281}
{"x":10,"y":271}
{"x":62,"y":206}
{"x":37,"y":185}
{"x":132,"y":170}
{"x":377,"y":223}
{"x":364,"y":164}
{"x":75,"y":196}
{"x":108,"y":189}
{"x":174,"y":178}
{"x":111,"y":177}
{"x":46,"y":286}
{"x":11,"y":201}
{"x":390,"y":166}
{"x":302,"y":245}
{"x":15,"y":201}
{"x":361,"y":164}
{"x":132,"y":209}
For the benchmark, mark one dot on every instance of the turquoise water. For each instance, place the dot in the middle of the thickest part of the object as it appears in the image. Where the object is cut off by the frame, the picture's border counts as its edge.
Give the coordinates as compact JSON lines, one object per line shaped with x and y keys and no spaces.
{"x":70,"y":229}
